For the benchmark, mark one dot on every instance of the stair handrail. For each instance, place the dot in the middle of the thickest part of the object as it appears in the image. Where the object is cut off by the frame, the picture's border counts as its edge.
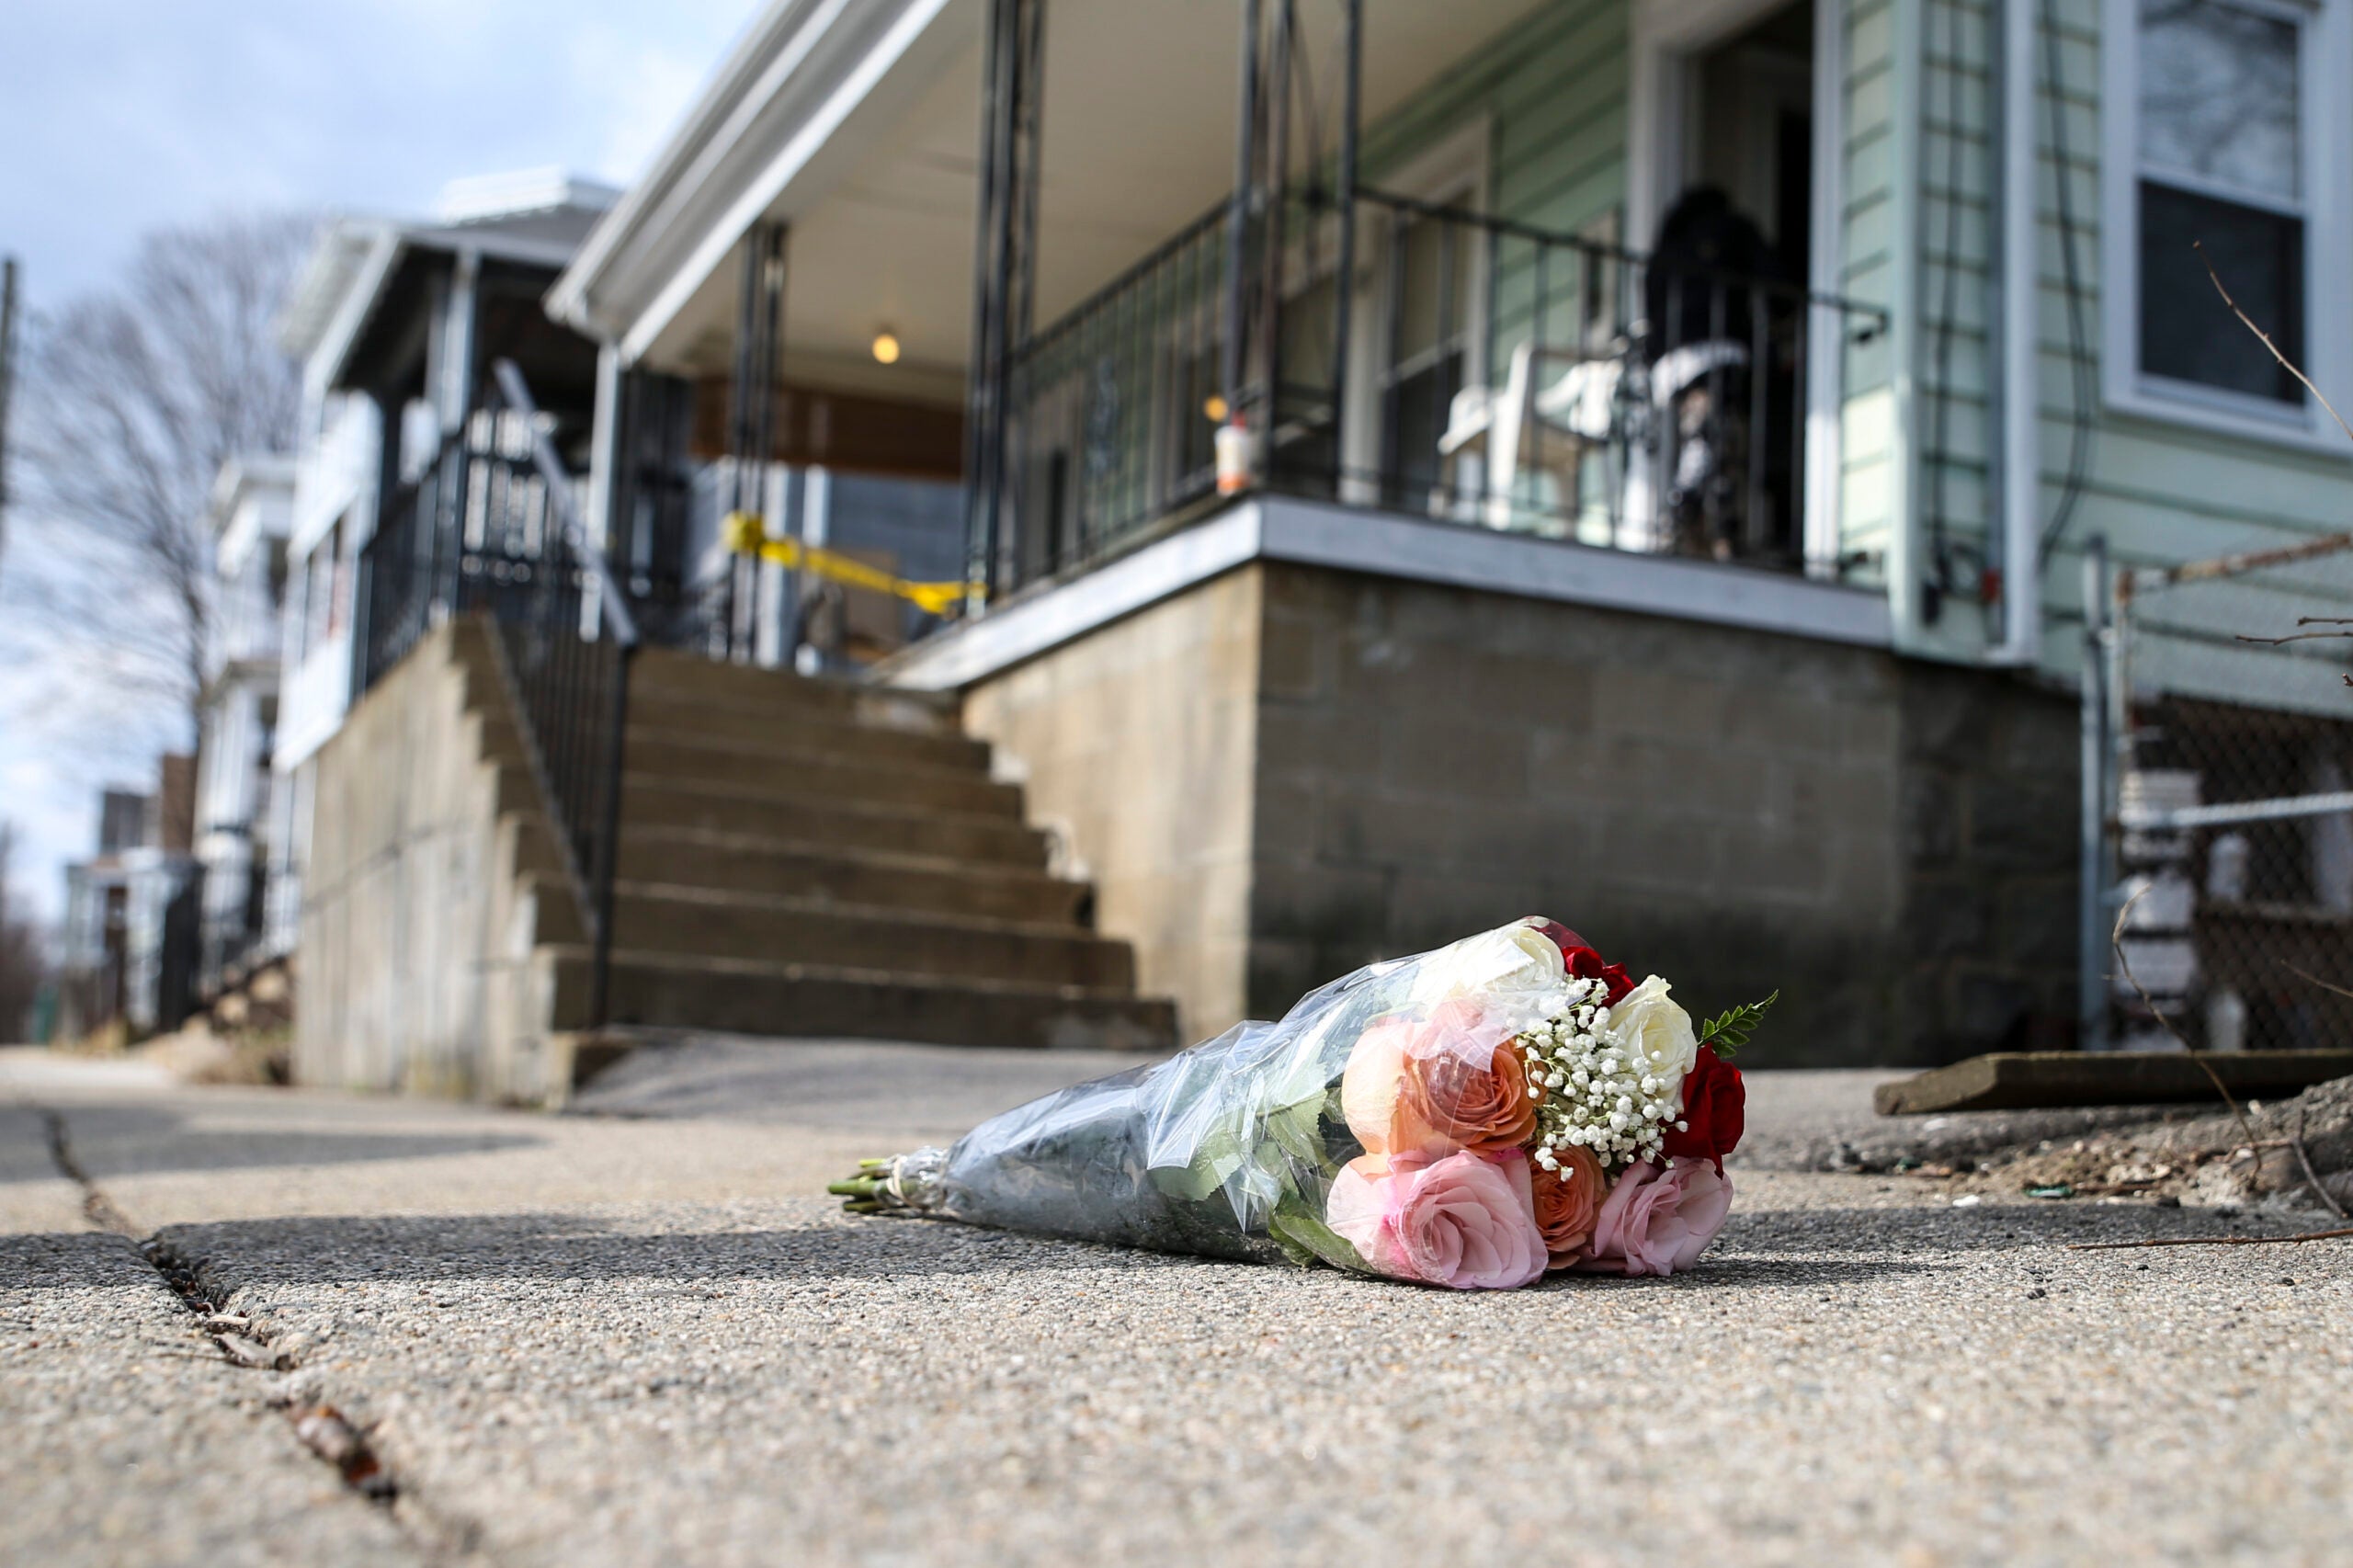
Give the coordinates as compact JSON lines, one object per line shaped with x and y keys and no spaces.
{"x":590,"y":851}
{"x":610,"y":600}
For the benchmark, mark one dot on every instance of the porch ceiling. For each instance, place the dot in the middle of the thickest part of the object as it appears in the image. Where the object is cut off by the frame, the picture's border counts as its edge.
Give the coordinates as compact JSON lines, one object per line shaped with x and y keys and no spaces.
{"x":1139,"y":115}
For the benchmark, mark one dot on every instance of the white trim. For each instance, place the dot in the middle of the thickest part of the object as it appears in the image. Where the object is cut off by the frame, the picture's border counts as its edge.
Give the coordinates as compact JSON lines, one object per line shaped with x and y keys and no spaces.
{"x":1665,"y":34}
{"x":1388,"y":545}
{"x":2325,"y":61}
{"x":333,"y":347}
{"x":789,"y":164}
{"x":2021,"y":345}
{"x":1908,"y":47}
{"x":1825,"y":350}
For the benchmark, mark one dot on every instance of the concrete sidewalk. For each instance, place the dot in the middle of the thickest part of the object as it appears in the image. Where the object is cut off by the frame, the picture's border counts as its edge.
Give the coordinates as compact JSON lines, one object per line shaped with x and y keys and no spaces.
{"x":593,"y":1340}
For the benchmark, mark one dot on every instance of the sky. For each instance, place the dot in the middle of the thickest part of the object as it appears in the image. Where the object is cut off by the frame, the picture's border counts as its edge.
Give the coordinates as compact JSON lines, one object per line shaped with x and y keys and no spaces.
{"x":121,"y":115}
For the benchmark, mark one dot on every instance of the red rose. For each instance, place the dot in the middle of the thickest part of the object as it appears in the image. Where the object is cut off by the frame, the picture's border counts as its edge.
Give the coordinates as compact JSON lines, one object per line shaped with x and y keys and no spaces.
{"x":1715,"y":1110}
{"x":1584,"y":964}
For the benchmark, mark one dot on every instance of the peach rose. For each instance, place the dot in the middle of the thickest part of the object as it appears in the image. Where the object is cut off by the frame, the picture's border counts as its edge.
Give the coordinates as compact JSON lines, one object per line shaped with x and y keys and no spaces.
{"x":1655,"y":1222}
{"x":1432,"y":1087}
{"x":1567,"y":1201}
{"x":1467,"y":1222}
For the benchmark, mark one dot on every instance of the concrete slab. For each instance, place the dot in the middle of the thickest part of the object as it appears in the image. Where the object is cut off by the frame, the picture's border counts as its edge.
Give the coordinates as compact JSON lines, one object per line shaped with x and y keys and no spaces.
{"x":124,"y":1437}
{"x":593,"y":1341}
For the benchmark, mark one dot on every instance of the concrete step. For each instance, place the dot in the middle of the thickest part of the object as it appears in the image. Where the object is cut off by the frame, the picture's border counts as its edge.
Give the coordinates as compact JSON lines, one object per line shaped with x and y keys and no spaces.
{"x":661,"y":676}
{"x":659,"y":917}
{"x":752,"y":730}
{"x":662,"y":802}
{"x":730,"y":862}
{"x":816,"y":773}
{"x":813,"y":1002}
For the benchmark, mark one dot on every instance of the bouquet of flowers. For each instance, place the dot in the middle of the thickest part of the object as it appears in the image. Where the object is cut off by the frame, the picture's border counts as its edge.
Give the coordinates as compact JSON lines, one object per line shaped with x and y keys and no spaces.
{"x":1474,"y":1117}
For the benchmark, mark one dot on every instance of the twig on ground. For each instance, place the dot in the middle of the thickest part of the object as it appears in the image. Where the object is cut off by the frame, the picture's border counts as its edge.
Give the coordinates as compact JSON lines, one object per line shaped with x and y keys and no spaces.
{"x":2311,"y":1175}
{"x":2116,"y":942}
{"x":2209,"y":1240}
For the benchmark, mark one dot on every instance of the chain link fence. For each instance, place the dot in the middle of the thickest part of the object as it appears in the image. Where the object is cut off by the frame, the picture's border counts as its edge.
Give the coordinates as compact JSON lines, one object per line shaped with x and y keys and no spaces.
{"x":2219,"y":754}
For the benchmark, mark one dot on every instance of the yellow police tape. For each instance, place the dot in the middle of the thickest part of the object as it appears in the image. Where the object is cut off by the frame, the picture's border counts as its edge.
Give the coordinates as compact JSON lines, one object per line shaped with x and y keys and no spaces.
{"x":747,"y":535}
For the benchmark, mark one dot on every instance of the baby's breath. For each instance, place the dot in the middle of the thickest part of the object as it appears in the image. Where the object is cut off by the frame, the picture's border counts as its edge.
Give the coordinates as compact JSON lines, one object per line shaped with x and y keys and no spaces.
{"x":1597,"y":1093}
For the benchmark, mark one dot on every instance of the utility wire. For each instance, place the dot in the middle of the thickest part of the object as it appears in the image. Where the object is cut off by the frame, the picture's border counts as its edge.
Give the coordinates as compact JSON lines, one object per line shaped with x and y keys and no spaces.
{"x":1948,"y":259}
{"x":2079,"y":439}
{"x":7,"y":379}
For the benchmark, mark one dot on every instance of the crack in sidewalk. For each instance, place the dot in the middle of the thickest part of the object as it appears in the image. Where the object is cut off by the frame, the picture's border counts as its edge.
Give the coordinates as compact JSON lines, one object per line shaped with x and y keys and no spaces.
{"x":318,"y":1425}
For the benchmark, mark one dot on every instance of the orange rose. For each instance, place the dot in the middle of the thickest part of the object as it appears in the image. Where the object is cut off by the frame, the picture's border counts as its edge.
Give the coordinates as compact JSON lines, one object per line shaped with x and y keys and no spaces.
{"x":1411,"y":1088}
{"x":1566,"y":1203}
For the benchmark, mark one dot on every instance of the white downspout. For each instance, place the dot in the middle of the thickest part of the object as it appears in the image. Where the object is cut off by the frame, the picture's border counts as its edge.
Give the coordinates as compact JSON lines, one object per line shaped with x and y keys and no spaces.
{"x":2021,"y":640}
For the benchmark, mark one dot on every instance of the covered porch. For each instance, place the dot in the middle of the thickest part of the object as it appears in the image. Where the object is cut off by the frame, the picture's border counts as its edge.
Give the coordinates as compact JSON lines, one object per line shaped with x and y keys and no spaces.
{"x":1584,"y":270}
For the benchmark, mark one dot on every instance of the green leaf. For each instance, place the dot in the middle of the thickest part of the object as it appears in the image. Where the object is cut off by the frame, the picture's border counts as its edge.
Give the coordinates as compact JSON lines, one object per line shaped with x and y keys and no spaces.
{"x":1726,"y":1035}
{"x":1306,"y":1239}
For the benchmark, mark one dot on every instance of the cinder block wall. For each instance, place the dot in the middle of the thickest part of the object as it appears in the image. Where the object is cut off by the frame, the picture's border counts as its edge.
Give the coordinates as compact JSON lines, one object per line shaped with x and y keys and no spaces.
{"x":1887,"y":842}
{"x":1135,"y":746}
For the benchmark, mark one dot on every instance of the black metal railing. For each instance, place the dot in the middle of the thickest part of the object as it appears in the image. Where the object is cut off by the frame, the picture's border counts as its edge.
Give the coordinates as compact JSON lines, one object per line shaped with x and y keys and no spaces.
{"x":491,"y":528}
{"x":567,"y":641}
{"x":1488,"y":372}
{"x":1116,"y":406}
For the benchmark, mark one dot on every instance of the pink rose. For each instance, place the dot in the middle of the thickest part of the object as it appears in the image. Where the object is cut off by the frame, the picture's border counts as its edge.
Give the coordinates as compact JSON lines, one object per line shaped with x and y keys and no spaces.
{"x":1466,"y":1220}
{"x":1655,"y":1222}
{"x":1437,"y":1085}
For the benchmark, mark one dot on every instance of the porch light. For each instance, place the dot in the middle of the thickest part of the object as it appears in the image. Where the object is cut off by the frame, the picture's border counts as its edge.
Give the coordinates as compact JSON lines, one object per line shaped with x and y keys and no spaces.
{"x":886,"y":346}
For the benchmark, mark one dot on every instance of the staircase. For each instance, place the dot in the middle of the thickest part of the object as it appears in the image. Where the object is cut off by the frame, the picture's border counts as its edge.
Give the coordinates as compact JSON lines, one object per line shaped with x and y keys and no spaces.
{"x":819,"y":858}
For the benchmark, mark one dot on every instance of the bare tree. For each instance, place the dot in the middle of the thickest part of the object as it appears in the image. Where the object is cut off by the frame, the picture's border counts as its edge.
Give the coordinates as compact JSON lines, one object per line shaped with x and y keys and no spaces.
{"x":22,"y":964}
{"x":131,"y":399}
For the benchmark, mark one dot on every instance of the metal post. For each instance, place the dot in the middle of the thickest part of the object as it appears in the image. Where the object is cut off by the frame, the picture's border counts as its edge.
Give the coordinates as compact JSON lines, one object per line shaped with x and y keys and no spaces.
{"x":1004,"y":250}
{"x":608,"y":838}
{"x":1020,"y":279}
{"x":980,"y":444}
{"x":1277,"y":97}
{"x":1237,"y":212}
{"x":1344,"y":277}
{"x":8,"y":377}
{"x":2093,"y":935}
{"x":753,"y":414}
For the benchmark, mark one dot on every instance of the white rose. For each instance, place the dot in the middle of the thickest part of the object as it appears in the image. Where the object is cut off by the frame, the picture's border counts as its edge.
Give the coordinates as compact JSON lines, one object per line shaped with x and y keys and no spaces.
{"x":1513,"y":958}
{"x":1655,"y":1034}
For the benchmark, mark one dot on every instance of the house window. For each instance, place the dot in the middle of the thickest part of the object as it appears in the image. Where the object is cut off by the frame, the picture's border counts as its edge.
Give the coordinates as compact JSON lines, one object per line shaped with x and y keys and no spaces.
{"x":2225,"y":161}
{"x":2221,"y":166}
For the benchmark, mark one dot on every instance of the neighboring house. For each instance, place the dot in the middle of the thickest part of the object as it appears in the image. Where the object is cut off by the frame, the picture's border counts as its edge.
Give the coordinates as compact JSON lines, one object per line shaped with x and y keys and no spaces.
{"x":130,"y":943}
{"x":252,"y":508}
{"x":395,"y":325}
{"x":1704,"y":571}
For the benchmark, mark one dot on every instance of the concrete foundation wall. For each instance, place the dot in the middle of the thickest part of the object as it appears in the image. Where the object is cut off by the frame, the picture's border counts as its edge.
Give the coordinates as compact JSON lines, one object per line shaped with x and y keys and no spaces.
{"x":417,"y":921}
{"x":1135,"y":744}
{"x":1888,"y":843}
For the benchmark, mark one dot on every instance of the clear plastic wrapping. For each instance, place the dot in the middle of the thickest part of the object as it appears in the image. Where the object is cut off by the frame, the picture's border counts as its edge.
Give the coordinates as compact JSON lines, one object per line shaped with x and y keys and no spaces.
{"x":1411,"y":1119}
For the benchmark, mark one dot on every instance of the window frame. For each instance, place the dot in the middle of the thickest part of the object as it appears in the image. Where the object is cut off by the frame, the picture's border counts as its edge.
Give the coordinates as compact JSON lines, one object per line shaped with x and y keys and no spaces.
{"x":2325,"y":149}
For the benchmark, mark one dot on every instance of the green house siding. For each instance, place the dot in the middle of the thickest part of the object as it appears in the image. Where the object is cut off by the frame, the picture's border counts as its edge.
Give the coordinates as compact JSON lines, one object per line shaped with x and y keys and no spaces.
{"x":1874,"y":265}
{"x":2161,"y":493}
{"x":1552,"y":93}
{"x":1919,"y":472}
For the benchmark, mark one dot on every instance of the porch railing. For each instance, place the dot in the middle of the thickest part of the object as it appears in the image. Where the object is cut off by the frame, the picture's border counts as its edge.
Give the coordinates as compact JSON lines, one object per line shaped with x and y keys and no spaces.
{"x":1490,"y":373}
{"x":491,"y":527}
